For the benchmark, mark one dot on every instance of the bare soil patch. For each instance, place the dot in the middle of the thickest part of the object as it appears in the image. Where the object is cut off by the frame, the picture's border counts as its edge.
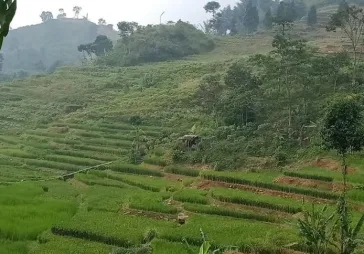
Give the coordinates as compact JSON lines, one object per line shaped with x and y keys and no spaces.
{"x":331,"y":165}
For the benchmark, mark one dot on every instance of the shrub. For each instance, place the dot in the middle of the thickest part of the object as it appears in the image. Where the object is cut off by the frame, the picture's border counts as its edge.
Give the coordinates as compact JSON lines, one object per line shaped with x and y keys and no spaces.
{"x":158,"y":43}
{"x":155,"y":161}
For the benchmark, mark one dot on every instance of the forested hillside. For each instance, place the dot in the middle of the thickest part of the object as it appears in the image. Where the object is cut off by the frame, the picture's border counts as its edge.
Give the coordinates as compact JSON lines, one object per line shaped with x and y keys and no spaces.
{"x":35,"y":48}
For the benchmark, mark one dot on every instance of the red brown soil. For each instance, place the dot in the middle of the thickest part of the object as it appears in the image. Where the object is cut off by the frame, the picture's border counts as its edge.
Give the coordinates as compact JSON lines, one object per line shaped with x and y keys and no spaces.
{"x":331,"y":165}
{"x":308,"y":183}
{"x":206,"y":185}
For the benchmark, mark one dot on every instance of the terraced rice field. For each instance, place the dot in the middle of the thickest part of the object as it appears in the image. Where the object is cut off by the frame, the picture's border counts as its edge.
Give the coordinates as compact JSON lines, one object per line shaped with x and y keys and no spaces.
{"x":111,"y":204}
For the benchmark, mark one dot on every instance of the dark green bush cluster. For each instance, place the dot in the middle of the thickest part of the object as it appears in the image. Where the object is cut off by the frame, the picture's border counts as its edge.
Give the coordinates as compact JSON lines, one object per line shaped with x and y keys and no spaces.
{"x":58,"y":230}
{"x":174,"y":169}
{"x":250,"y":202}
{"x":227,"y":212}
{"x":311,"y":177}
{"x":158,"y":43}
{"x":271,"y":186}
{"x":134,"y":169}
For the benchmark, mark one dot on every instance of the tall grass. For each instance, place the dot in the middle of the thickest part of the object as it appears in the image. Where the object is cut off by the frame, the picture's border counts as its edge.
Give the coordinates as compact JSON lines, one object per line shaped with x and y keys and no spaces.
{"x":267,"y":185}
{"x":73,"y":160}
{"x":257,"y":200}
{"x":101,"y":149}
{"x":154,"y":160}
{"x":308,"y":176}
{"x":215,"y":210}
{"x":191,"y":196}
{"x":143,"y":182}
{"x":52,"y":165}
{"x":175,"y":169}
{"x":109,"y":228}
{"x":92,"y":180}
{"x":133,"y":169}
{"x":153,"y":203}
{"x":25,"y":213}
{"x":88,"y":155}
{"x":17,"y":153}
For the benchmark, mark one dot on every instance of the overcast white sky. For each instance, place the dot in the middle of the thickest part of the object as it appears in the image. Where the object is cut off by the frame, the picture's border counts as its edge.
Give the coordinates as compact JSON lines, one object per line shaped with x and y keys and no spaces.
{"x":142,"y":11}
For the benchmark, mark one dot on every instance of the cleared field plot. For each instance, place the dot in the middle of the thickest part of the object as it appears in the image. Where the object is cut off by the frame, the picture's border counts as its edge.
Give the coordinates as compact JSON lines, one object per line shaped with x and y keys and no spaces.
{"x":215,"y":210}
{"x":258,"y":200}
{"x":25,"y":212}
{"x":261,"y":181}
{"x":61,"y":245}
{"x":191,"y":196}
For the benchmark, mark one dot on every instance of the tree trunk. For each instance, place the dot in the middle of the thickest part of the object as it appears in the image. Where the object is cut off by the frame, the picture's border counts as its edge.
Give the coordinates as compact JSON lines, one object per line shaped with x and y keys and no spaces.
{"x":344,"y":171}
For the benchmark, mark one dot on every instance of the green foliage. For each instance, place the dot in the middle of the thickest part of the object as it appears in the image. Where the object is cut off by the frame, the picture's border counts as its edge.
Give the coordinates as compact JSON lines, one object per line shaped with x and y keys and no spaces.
{"x":251,"y":17}
{"x":158,"y":43}
{"x":317,"y":229}
{"x":99,"y":47}
{"x":268,"y":20}
{"x":151,"y":202}
{"x":342,"y":129}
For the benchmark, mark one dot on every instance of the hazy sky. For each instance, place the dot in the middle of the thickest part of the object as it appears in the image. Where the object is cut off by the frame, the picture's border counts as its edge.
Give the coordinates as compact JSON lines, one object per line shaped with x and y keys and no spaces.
{"x":142,"y":11}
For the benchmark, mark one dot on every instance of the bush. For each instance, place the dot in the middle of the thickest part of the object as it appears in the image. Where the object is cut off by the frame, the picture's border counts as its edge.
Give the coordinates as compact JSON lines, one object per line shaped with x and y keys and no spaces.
{"x":158,"y":43}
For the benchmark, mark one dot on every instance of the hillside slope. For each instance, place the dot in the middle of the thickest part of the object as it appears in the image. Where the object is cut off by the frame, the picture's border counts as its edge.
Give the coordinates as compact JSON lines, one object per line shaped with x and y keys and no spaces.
{"x":54,"y":40}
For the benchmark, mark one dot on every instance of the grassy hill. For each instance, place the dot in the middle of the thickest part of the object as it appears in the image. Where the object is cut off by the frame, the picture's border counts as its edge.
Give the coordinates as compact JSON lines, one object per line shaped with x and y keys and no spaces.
{"x":80,"y":120}
{"x":54,"y":40}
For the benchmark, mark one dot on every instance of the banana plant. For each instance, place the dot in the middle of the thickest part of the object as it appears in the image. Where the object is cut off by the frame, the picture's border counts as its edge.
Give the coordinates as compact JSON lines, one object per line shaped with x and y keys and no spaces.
{"x":7,"y":13}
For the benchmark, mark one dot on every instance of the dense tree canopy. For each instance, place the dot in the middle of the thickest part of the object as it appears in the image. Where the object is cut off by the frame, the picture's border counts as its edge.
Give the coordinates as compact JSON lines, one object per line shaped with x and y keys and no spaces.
{"x":46,"y":15}
{"x":156,"y":43}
